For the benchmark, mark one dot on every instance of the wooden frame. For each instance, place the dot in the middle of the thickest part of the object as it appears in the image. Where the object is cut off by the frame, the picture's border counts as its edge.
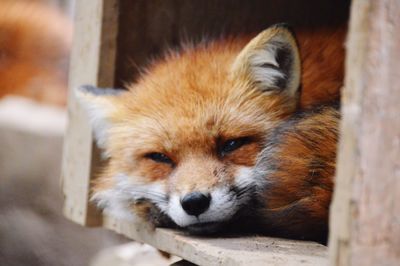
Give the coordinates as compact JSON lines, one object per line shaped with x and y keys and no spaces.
{"x":365,"y":214}
{"x":365,"y":222}
{"x":93,"y":60}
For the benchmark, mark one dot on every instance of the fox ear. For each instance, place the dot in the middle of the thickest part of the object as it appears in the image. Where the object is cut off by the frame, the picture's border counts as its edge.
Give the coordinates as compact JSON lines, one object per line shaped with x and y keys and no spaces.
{"x":100,"y":104}
{"x":270,"y":61}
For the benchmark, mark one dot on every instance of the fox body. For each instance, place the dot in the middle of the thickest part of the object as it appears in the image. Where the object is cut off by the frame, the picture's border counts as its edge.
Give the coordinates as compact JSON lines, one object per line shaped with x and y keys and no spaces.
{"x":298,"y":164}
{"x":213,"y":135}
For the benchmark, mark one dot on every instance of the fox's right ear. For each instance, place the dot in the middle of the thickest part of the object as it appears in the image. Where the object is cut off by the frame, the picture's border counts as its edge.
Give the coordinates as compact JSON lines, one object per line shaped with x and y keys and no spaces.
{"x":100,"y":105}
{"x":270,"y":62}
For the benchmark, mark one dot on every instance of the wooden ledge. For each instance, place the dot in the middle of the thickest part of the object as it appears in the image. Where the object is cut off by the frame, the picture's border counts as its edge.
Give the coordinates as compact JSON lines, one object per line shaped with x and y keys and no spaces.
{"x":224,"y":251}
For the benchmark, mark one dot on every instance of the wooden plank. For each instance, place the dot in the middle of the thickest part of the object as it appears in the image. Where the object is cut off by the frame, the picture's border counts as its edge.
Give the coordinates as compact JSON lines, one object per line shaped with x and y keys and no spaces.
{"x":222,"y":250}
{"x":365,"y":220}
{"x":92,"y":62}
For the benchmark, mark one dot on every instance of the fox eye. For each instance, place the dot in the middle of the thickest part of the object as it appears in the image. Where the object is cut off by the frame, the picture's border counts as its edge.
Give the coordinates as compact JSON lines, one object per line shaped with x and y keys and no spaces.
{"x":233,"y":144}
{"x":159,"y":157}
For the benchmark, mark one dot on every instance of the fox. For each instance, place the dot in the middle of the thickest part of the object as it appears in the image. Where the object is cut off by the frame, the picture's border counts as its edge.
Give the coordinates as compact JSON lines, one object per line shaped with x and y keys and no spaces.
{"x":233,"y":135}
{"x":35,"y":41}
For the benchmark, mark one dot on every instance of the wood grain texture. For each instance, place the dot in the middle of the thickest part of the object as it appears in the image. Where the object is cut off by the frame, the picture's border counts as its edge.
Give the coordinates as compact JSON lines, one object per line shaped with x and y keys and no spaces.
{"x":225,"y":251}
{"x":92,"y":62}
{"x":365,"y":218}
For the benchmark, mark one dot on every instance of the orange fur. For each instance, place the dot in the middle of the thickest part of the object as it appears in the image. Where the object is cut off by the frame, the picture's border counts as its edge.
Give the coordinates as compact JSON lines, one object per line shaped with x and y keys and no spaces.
{"x":196,"y":100}
{"x":189,"y":104}
{"x":301,"y":169}
{"x":34,"y":49}
{"x":322,"y":56}
{"x":174,"y":89}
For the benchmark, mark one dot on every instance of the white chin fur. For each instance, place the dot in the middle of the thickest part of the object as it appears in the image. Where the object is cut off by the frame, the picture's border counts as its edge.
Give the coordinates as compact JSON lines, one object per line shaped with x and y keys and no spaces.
{"x":250,"y":176}
{"x":117,"y":201}
{"x":223,"y":206}
{"x":114,"y":206}
{"x":224,"y":203}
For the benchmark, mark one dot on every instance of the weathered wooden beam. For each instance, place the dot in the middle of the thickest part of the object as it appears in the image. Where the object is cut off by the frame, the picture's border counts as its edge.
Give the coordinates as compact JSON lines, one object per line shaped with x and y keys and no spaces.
{"x":92,"y":62}
{"x":221,"y":251}
{"x":365,"y":216}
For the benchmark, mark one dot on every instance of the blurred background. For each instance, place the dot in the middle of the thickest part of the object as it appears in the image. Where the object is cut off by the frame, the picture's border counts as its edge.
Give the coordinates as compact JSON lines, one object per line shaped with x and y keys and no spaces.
{"x":35,"y":39}
{"x":35,"y":42}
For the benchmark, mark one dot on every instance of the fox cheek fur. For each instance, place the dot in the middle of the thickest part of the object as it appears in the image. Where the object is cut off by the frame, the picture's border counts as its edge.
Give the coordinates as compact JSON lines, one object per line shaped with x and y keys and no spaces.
{"x":182,"y":143}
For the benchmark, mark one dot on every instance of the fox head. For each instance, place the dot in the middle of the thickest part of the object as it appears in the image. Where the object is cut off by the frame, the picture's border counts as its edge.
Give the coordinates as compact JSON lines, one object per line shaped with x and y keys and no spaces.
{"x":183,"y":140}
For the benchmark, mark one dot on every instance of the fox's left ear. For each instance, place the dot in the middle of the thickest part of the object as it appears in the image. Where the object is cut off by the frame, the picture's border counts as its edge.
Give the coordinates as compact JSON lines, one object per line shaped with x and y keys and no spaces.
{"x":100,"y":105}
{"x":270,"y":61}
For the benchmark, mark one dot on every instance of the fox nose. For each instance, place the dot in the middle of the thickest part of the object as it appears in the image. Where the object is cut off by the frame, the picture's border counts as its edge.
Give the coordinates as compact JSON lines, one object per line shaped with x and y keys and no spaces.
{"x":195,"y":203}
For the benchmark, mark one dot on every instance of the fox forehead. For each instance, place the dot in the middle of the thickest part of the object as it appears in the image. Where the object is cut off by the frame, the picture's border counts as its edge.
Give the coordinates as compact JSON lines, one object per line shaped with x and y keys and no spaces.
{"x":174,"y":132}
{"x":191,"y":99}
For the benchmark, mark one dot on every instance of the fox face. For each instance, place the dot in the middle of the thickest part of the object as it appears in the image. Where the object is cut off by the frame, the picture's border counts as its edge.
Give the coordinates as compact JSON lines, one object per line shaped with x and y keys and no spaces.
{"x":181,"y":144}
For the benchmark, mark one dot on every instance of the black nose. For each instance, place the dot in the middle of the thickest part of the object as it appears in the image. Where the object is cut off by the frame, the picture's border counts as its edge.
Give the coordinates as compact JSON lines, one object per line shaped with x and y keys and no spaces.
{"x":195,"y":203}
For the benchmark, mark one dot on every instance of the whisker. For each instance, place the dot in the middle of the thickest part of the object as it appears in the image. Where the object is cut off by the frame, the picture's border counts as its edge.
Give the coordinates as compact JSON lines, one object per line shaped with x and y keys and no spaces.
{"x":244,"y":191}
{"x":151,"y":194}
